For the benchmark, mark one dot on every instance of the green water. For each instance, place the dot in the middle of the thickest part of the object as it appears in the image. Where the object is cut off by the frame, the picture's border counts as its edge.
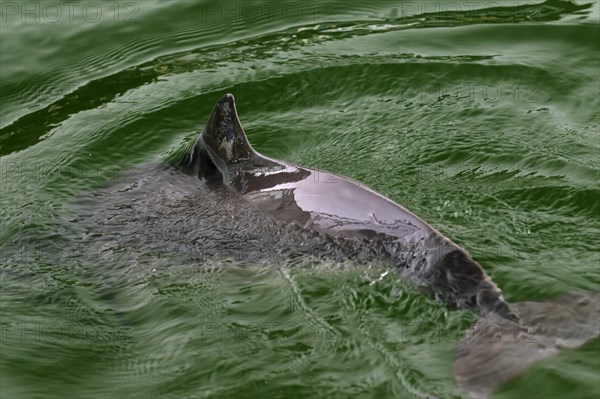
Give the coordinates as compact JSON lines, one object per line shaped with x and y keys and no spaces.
{"x":480,"y":117}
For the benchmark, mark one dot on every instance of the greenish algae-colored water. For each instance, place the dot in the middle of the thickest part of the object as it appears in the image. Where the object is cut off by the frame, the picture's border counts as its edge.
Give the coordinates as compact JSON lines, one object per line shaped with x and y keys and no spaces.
{"x":480,"y":117}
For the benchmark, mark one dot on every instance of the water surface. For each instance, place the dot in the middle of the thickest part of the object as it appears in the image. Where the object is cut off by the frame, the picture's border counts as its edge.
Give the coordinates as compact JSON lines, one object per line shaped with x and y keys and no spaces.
{"x":482,"y":118}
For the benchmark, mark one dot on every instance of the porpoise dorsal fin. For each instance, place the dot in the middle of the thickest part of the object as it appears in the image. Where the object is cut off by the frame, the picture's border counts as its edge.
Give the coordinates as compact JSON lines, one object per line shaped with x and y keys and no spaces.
{"x":223,"y":146}
{"x":225,"y":136}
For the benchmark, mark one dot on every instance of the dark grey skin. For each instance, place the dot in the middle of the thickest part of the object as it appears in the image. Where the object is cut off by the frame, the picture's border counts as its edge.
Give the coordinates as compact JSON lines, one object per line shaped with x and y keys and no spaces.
{"x":343,"y":208}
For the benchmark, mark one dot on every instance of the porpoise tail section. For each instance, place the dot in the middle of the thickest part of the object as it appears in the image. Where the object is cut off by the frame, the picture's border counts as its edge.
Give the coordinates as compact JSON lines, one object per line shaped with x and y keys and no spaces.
{"x":496,"y":350}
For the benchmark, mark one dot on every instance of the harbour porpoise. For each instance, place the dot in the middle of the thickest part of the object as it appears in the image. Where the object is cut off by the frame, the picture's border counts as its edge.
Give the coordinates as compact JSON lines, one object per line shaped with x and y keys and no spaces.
{"x":506,"y":340}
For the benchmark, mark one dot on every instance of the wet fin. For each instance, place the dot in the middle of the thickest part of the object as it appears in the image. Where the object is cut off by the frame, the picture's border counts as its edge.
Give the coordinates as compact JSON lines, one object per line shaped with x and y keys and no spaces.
{"x":223,"y":148}
{"x":224,"y":137}
{"x":496,"y":350}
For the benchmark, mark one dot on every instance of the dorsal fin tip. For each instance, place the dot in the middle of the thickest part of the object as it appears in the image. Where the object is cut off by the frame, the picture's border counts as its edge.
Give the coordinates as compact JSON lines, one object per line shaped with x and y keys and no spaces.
{"x":228,"y":97}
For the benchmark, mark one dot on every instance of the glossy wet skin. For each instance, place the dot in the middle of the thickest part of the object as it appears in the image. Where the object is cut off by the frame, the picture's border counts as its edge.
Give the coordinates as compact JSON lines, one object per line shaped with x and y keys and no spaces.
{"x":340,"y":207}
